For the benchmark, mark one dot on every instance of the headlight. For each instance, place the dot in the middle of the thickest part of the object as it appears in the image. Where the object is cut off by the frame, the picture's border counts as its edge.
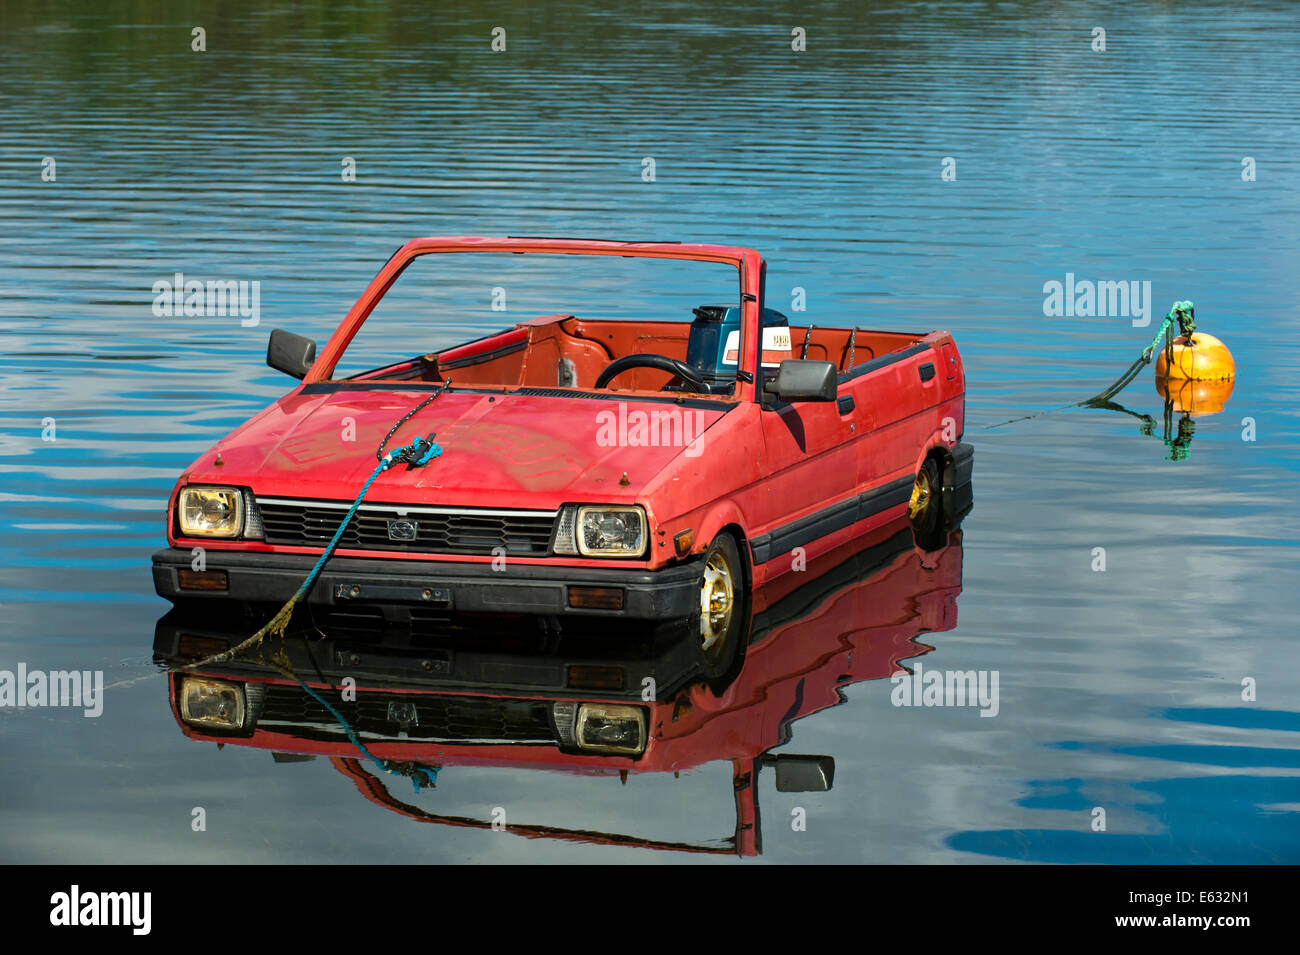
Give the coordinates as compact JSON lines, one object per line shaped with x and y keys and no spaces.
{"x":210,"y":511}
{"x":611,"y":531}
{"x":611,"y":729}
{"x":213,"y":703}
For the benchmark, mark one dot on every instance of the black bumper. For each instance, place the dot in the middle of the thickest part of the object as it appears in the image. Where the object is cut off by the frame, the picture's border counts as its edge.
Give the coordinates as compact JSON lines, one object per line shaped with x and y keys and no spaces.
{"x":963,"y":463}
{"x":523,"y":664}
{"x":666,"y":594}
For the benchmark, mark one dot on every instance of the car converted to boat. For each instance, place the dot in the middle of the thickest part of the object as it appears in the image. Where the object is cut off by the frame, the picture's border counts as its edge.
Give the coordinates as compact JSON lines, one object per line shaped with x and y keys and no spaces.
{"x":655,"y":454}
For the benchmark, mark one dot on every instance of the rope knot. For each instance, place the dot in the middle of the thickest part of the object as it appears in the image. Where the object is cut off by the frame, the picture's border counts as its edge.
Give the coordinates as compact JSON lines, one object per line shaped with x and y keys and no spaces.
{"x":415,"y":455}
{"x":1185,"y":314}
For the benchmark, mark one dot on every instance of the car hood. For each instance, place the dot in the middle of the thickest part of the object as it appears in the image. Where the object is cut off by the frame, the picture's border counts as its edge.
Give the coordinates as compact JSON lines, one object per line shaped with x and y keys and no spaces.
{"x":517,"y":449}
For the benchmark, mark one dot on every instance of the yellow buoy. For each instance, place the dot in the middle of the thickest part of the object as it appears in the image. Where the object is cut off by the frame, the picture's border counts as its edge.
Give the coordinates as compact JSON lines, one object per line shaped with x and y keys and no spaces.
{"x":1195,"y":398}
{"x":1204,"y":358}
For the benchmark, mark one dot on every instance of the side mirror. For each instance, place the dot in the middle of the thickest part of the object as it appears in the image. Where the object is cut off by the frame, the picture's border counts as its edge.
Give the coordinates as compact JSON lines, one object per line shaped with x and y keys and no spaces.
{"x":802,"y":774}
{"x":290,"y":353}
{"x":801,"y":379}
{"x":292,"y":757}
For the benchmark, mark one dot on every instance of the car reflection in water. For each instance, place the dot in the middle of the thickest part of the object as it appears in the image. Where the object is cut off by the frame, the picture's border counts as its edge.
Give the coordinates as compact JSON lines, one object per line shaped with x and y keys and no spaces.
{"x":492,"y":692}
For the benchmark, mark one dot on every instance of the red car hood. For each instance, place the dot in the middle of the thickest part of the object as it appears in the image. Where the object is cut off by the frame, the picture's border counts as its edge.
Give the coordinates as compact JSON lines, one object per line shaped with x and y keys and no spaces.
{"x":503,"y":449}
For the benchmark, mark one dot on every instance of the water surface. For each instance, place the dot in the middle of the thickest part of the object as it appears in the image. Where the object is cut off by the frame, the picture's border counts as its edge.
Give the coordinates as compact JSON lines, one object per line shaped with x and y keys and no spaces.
{"x":1120,"y":689}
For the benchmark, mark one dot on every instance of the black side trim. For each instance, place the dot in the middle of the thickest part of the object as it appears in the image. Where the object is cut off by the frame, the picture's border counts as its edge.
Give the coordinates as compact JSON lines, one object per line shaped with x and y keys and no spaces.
{"x":830,"y":519}
{"x":882,"y":362}
{"x":886,"y":496}
{"x":926,"y":371}
{"x":483,"y":356}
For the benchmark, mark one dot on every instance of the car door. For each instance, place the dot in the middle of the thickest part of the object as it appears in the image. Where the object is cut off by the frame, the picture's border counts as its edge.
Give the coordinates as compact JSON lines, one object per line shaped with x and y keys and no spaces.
{"x":811,"y":468}
{"x":897,"y":399}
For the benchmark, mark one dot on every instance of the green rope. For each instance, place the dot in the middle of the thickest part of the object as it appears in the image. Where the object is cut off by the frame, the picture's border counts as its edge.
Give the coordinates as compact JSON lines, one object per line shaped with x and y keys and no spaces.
{"x":402,"y":769}
{"x":415,"y":455}
{"x":1178,"y":444}
{"x":1186,"y":315}
{"x":1182,"y":313}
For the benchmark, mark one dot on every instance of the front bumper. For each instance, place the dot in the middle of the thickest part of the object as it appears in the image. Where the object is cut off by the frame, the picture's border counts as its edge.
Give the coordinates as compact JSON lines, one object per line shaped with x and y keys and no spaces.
{"x":667,"y":594}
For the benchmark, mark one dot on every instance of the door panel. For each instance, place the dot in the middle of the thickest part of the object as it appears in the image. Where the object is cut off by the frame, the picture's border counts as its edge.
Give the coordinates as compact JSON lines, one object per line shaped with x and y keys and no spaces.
{"x":810,"y":458}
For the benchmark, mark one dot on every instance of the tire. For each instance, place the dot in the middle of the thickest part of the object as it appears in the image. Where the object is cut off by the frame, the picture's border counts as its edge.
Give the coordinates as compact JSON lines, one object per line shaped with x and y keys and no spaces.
{"x":721,"y":624}
{"x":925,"y":508}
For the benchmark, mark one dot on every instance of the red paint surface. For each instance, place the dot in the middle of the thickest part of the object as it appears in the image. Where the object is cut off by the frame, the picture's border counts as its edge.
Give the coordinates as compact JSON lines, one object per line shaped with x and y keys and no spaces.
{"x":756,"y":469}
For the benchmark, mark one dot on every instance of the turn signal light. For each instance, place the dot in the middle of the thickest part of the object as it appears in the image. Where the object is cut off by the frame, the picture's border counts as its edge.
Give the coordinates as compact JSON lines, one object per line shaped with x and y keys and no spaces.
{"x":196,"y":647}
{"x":202,"y":579}
{"x":683,"y":542}
{"x":596,"y":598}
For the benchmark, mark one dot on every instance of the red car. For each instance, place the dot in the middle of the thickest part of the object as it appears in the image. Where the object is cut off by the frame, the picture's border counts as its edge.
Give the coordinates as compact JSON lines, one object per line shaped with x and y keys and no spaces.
{"x":605,"y":467}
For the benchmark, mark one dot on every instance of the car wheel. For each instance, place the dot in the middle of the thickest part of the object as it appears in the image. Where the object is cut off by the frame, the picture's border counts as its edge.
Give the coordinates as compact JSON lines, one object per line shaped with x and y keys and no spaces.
{"x":925,"y":507}
{"x":723,"y":605}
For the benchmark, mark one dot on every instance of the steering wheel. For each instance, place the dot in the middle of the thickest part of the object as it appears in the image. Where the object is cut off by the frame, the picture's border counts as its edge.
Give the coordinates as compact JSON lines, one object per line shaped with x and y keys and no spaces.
{"x":685,"y":372}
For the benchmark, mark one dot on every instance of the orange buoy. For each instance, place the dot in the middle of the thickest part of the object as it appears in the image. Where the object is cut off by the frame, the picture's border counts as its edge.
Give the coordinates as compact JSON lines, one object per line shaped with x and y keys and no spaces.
{"x":1204,"y":358}
{"x":1195,"y":398}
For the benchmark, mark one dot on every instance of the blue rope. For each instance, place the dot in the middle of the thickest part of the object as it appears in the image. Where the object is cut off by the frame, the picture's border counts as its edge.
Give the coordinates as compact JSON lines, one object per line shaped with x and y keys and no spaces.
{"x":427,"y":451}
{"x":416,"y":455}
{"x":432,"y":774}
{"x":428,"y":454}
{"x":385,"y":463}
{"x":432,"y":451}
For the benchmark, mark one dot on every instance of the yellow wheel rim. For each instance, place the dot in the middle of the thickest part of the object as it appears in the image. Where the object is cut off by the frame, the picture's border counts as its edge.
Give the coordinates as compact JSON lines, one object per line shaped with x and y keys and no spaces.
{"x":922,"y":494}
{"x":717,"y":602}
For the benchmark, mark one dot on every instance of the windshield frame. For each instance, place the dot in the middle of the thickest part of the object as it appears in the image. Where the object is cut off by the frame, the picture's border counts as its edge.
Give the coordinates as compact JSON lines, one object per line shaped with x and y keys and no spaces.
{"x":748,"y":263}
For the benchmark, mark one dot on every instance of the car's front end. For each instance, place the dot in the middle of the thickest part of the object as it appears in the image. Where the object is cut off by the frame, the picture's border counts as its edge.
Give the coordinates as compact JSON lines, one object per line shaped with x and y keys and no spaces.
{"x":524,"y":511}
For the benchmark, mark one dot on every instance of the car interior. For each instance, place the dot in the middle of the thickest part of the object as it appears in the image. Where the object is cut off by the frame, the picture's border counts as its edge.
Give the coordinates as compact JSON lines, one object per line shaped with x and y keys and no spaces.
{"x":567,"y":352}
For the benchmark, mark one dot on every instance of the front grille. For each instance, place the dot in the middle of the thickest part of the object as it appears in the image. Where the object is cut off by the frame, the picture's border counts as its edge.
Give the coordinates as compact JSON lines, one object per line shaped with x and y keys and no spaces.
{"x":436,"y":530}
{"x":419,"y":716}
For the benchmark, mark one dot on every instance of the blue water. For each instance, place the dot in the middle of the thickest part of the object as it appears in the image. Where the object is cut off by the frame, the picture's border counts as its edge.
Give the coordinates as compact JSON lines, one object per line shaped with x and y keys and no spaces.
{"x":1120,"y":689}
